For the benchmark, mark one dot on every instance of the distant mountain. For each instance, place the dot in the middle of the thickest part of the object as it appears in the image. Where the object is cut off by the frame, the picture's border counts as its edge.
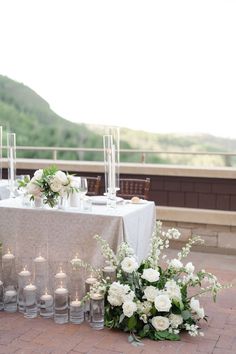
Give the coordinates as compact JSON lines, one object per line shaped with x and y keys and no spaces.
{"x":25,"y":113}
{"x":28,"y":115}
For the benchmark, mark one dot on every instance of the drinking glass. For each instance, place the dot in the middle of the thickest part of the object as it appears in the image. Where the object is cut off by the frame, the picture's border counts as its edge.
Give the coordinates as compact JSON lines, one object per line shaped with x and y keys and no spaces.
{"x":83,"y":186}
{"x":20,"y":185}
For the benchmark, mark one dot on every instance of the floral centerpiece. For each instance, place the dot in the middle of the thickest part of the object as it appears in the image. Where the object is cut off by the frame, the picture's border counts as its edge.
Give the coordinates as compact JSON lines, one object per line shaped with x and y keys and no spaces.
{"x":50,"y":184}
{"x":152,"y":299}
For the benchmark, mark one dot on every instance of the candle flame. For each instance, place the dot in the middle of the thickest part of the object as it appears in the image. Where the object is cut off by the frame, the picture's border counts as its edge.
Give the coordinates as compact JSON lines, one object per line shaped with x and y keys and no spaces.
{"x":8,"y":251}
{"x":46,"y":291}
{"x":61,"y":284}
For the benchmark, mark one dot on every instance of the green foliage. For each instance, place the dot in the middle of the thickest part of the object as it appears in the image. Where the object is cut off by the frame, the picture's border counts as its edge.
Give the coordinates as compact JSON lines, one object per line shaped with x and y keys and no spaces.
{"x":24,"y":112}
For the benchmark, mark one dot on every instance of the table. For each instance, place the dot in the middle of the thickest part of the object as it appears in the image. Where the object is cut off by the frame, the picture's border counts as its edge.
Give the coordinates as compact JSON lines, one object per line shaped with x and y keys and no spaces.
{"x":63,"y":233}
{"x":4,"y":191}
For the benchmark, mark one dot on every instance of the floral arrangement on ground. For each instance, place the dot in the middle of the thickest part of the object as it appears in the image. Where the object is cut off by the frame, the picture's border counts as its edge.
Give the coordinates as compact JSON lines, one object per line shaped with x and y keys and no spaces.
{"x":149,"y":299}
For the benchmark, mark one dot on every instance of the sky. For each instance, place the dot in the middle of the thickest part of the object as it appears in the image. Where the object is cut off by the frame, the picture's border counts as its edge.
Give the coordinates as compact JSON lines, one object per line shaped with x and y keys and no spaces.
{"x":160,"y":66}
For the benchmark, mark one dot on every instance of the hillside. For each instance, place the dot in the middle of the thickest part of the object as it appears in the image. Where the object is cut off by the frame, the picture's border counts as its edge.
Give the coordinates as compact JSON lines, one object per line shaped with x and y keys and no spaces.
{"x":28,"y":115}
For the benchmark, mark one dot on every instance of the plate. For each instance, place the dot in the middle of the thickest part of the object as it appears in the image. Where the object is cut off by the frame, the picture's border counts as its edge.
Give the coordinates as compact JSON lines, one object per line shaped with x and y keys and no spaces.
{"x":102,"y":199}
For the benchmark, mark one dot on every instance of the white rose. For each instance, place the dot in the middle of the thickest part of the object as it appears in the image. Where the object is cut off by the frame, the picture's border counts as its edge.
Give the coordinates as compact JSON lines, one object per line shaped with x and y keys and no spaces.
{"x":117,"y":293}
{"x":61,"y":177}
{"x":129,"y":307}
{"x":173,"y":290}
{"x":150,"y":275}
{"x":129,"y":297}
{"x":160,"y":323}
{"x":115,"y":300}
{"x":175,"y":320}
{"x":150,"y":293}
{"x":175,"y":263}
{"x":189,"y":267}
{"x":162,"y":303}
{"x":195,"y":306}
{"x":33,"y":189}
{"x":201,"y":312}
{"x":129,"y":264}
{"x":55,"y":185}
{"x":38,"y":174}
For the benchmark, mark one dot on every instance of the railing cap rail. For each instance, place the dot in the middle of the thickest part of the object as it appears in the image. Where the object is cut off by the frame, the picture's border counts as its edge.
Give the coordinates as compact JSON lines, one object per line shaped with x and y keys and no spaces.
{"x":56,"y":148}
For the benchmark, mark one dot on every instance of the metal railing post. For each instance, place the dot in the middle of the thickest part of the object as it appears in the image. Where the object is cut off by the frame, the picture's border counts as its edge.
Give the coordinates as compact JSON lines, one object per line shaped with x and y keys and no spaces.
{"x":54,"y":154}
{"x":227,"y":159}
{"x":143,"y":157}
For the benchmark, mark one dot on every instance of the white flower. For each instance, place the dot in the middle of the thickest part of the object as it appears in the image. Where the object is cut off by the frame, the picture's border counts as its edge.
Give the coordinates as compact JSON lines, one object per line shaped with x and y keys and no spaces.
{"x":175,"y":320}
{"x":201,"y":312}
{"x":175,"y":263}
{"x":55,"y":185}
{"x":129,"y":264}
{"x":115,"y":300}
{"x":195,"y":306}
{"x":38,"y":174}
{"x":173,"y":234}
{"x":144,"y":307}
{"x":129,"y":307}
{"x":33,"y":188}
{"x":61,"y":177}
{"x":143,"y":318}
{"x":129,"y":297}
{"x":117,"y":293}
{"x":150,"y":275}
{"x":162,"y":303}
{"x":160,"y":323}
{"x":173,"y":290}
{"x":189,"y":267}
{"x":150,"y":293}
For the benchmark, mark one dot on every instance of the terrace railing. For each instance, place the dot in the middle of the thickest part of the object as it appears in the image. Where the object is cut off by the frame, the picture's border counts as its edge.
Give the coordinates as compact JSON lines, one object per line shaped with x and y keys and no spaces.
{"x":227,"y":158}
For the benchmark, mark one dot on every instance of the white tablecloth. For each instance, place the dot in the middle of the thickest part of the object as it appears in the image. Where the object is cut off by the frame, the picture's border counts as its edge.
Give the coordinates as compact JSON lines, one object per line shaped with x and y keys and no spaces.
{"x":4,"y":191}
{"x":62,"y":234}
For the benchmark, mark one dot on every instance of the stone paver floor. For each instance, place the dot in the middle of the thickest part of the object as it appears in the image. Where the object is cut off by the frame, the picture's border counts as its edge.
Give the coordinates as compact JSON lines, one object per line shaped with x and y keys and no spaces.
{"x":23,"y":336}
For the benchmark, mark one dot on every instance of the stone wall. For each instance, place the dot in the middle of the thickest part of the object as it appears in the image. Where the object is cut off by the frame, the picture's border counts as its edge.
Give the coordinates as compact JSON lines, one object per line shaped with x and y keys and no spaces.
{"x":218,"y":237}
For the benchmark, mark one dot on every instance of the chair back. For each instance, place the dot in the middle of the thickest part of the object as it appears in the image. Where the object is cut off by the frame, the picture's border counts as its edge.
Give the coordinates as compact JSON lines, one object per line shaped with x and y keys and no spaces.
{"x":131,"y":187}
{"x":94,"y":185}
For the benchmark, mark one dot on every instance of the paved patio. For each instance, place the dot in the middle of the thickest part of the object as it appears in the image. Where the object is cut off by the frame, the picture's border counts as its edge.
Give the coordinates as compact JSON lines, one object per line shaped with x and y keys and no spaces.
{"x":22,"y":336}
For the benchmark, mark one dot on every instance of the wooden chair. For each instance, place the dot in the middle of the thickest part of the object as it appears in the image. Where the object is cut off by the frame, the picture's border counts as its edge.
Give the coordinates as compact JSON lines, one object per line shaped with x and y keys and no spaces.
{"x":130,"y":187}
{"x":94,"y":185}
